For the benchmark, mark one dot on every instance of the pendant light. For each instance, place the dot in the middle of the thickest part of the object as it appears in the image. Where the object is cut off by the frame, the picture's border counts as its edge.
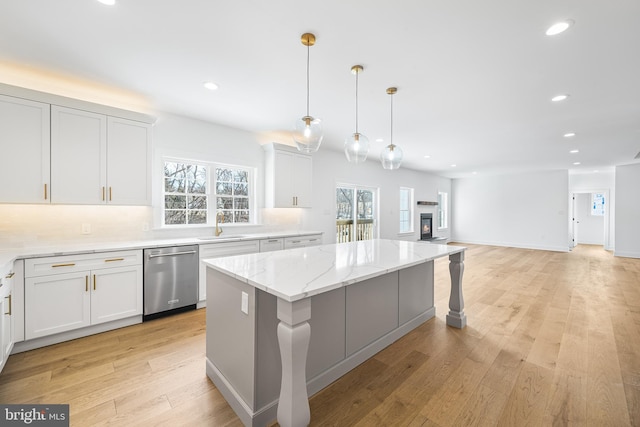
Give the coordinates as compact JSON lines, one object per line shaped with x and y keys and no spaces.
{"x":391,"y":156}
{"x":307,"y":132}
{"x":356,"y":146}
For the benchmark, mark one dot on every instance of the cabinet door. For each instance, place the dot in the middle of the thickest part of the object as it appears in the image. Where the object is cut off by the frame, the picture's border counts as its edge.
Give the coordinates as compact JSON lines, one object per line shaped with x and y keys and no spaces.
{"x":302,"y":181}
{"x":24,"y":150}
{"x":283,"y":179}
{"x":116,"y":293}
{"x":219,"y":250}
{"x":128,"y":162}
{"x":7,"y":327}
{"x":56,"y":303}
{"x":78,"y":156}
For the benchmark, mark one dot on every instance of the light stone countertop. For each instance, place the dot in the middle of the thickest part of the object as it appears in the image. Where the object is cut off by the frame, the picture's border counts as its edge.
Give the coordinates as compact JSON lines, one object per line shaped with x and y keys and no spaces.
{"x":299,"y":273}
{"x":9,"y":255}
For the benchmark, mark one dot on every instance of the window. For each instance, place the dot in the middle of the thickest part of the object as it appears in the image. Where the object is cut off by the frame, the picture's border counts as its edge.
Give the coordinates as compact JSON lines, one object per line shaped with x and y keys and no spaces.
{"x":356,"y":210}
{"x":406,"y":210}
{"x":185,"y":193}
{"x":190,"y":188}
{"x":232,"y":194}
{"x":443,"y":203}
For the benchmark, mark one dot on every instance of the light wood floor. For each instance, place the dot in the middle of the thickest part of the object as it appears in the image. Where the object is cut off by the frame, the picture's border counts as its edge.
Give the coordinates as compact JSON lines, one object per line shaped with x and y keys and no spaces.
{"x":552,"y":339}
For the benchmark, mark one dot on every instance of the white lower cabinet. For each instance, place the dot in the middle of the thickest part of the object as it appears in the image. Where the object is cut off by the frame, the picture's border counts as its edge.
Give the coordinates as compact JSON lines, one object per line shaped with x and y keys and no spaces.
{"x":302,"y":241}
{"x":218,"y":250}
{"x":6,"y":315}
{"x":70,"y":292}
{"x":270,"y":245}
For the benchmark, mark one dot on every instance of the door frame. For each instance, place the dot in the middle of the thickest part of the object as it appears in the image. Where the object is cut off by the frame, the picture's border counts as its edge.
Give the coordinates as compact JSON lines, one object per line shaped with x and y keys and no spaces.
{"x":572,"y":216}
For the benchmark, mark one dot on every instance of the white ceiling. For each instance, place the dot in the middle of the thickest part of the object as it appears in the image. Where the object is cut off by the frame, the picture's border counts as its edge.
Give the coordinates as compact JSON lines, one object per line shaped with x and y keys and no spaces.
{"x":474,"y":78}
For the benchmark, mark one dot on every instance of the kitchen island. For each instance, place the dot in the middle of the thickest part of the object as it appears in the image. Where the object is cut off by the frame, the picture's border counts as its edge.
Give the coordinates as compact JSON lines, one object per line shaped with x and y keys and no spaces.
{"x":283,"y":325}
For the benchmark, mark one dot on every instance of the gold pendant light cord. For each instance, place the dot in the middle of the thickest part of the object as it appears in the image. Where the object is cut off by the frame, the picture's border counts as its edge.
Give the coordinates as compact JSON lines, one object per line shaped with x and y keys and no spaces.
{"x":391,"y":121}
{"x":357,"y":101}
{"x":308,"y":61}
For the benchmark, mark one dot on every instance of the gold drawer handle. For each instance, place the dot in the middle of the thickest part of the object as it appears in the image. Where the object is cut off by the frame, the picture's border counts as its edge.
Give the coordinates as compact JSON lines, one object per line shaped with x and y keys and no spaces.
{"x":10,"y":275}
{"x":114,"y":259}
{"x":63,"y":265}
{"x":9,"y":298}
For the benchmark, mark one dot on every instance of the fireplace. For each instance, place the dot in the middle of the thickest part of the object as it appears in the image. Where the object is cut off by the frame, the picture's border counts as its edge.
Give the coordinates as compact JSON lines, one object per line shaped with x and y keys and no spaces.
{"x":426,"y":220}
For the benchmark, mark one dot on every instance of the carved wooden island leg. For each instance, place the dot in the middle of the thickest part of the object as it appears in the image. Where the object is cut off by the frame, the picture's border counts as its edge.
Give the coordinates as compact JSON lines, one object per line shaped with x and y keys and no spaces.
{"x":294,"y":333}
{"x":456,"y":316}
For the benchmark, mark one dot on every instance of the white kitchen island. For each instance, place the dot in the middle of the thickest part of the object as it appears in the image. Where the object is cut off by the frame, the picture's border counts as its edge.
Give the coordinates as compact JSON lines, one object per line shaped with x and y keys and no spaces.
{"x":283,"y":325}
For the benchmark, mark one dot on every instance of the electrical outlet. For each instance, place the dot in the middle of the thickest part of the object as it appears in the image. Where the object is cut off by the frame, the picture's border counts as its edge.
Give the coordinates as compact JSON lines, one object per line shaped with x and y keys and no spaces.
{"x":145,"y":226}
{"x":244,"y":305}
{"x":86,"y":228}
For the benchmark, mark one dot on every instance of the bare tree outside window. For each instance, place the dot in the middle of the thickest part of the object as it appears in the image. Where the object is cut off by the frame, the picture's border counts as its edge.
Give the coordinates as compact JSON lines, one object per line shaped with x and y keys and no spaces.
{"x":185,"y":193}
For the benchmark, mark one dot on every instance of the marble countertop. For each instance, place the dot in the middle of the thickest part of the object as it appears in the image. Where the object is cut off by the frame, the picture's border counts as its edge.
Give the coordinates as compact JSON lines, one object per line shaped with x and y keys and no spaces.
{"x":9,"y":255}
{"x":299,"y":273}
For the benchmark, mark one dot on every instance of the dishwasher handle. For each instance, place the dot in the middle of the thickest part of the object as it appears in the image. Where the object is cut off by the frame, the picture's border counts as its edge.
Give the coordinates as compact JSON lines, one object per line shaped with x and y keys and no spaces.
{"x":171,"y":254}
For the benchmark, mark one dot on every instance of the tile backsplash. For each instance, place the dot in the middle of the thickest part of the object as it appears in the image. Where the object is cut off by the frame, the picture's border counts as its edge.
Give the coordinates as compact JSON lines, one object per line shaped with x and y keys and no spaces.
{"x":41,"y":225}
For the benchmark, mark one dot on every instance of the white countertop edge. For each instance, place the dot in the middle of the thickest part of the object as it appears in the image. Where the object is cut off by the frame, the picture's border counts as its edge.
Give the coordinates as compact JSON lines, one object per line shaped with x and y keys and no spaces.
{"x":342,"y":283}
{"x":9,"y":255}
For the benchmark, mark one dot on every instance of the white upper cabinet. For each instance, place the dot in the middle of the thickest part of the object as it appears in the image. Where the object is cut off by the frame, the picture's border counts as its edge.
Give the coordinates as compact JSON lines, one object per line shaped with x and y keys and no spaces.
{"x":96,"y":159}
{"x":128,"y":162}
{"x":24,"y":150}
{"x":288,"y":177}
{"x":78,"y":156}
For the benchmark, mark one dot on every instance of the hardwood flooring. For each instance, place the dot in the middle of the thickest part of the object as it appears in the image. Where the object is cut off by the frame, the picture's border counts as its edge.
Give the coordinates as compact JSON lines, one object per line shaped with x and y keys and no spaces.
{"x":552,"y":339}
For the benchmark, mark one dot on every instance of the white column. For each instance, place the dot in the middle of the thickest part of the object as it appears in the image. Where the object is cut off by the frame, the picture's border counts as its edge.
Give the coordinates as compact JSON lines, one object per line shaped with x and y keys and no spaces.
{"x":456,"y":316}
{"x":294,"y":333}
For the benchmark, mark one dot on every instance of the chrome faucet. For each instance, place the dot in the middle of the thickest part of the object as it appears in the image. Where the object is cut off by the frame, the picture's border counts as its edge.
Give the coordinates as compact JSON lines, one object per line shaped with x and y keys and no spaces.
{"x":219,"y":230}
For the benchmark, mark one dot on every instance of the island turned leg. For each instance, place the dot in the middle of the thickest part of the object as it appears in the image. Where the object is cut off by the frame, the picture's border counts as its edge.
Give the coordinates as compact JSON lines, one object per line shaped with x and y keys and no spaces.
{"x":456,"y":316}
{"x":294,"y":333}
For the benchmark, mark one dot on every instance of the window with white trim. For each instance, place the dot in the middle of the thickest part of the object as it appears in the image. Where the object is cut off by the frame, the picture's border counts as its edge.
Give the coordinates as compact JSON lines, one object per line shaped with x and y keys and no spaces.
{"x":195,"y":191}
{"x":443,"y":203}
{"x":406,"y":210}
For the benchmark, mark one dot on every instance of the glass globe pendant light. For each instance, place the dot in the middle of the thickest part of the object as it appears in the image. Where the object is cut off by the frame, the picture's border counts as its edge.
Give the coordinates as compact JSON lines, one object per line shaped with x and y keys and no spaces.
{"x":307,"y":132}
{"x":391,"y":156}
{"x":356,"y":146}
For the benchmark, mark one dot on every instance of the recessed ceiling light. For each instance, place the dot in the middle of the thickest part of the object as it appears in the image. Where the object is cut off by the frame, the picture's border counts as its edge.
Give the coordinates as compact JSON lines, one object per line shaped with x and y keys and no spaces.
{"x":380,"y":140}
{"x":574,"y":151}
{"x":108,"y":2}
{"x":453,"y":166}
{"x":475,"y":173}
{"x":211,"y":85}
{"x":576,"y":163}
{"x":559,"y":98}
{"x":427,"y":156}
{"x":559,"y":27}
{"x":596,"y":171}
{"x":569,"y":134}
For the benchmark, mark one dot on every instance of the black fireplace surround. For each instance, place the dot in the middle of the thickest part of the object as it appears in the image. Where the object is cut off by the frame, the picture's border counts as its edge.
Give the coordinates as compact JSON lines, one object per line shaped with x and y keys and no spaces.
{"x":426,"y":226}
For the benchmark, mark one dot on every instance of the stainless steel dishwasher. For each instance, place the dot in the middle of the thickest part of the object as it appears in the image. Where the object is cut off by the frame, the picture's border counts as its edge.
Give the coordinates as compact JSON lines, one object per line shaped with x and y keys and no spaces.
{"x":170,"y":280}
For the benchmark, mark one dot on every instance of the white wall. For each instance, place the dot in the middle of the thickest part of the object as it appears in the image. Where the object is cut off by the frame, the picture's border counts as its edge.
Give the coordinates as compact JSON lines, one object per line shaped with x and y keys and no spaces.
{"x":331,"y":168}
{"x":590,"y":228}
{"x":627,"y":211}
{"x":601,"y":182}
{"x":518,"y":210}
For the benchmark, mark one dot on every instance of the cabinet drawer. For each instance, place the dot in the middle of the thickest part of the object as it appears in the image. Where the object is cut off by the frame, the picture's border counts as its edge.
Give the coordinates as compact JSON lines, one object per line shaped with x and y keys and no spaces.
{"x":216,"y":250}
{"x":269,"y":245}
{"x":303,"y":241}
{"x":35,"y":267}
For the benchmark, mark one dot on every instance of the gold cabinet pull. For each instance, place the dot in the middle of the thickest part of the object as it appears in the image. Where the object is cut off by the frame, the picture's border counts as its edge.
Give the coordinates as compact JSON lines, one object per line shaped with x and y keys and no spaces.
{"x":103,"y":194}
{"x":86,"y":283}
{"x":94,"y":282}
{"x":45,"y":191}
{"x":63,"y":265}
{"x":9,"y":298}
{"x":10,"y":275}
{"x":109,"y":193}
{"x":114,"y":259}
